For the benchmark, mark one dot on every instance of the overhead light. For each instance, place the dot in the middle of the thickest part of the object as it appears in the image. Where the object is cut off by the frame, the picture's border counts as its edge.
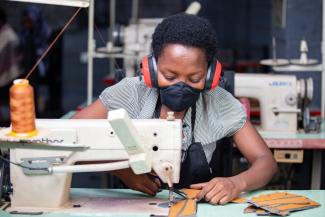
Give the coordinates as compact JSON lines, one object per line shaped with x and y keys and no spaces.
{"x":73,"y":3}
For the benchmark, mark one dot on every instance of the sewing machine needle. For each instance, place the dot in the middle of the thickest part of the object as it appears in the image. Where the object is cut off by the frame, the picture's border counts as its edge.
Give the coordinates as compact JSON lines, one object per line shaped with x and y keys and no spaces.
{"x":171,"y":196}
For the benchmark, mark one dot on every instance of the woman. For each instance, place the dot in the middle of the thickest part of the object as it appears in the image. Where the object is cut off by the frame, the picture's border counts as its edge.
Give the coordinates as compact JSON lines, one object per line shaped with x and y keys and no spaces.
{"x":184,"y":50}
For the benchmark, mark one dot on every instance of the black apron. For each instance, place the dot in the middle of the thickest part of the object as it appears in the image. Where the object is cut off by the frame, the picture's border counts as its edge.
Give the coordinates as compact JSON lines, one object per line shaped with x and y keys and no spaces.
{"x":195,"y":167}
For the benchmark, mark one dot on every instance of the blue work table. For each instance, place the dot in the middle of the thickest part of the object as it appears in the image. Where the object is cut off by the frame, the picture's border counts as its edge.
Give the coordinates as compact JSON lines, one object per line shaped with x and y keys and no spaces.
{"x":204,"y":209}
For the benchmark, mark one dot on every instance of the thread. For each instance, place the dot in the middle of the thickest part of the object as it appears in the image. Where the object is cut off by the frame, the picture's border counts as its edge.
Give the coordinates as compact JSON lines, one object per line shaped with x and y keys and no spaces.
{"x":52,"y":44}
{"x":22,"y":105}
{"x":22,"y":109}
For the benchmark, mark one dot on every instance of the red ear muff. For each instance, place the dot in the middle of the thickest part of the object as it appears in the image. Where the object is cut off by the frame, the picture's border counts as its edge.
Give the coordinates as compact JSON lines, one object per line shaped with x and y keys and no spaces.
{"x":149,"y":71}
{"x":145,"y":71}
{"x":213,"y":75}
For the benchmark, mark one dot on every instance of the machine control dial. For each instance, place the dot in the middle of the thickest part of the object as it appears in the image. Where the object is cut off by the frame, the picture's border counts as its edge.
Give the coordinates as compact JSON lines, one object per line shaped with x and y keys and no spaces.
{"x":291,"y":99}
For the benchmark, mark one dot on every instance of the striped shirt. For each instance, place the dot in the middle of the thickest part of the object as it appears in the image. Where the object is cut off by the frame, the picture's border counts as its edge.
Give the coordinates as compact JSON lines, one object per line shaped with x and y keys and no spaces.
{"x":218,"y":113}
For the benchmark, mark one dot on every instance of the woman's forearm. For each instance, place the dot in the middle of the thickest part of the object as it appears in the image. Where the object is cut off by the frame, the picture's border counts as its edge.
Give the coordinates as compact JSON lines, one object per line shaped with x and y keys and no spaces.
{"x":258,"y":175}
{"x":255,"y":150}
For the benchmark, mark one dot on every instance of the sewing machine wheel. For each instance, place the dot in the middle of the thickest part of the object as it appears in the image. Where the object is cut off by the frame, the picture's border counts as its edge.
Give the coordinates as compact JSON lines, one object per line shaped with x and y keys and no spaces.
{"x":5,"y":186}
{"x":309,"y":124}
{"x":306,"y":118}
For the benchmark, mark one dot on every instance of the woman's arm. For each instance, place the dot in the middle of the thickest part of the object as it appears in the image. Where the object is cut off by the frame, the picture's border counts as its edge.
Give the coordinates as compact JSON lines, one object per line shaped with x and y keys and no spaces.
{"x":254,"y":149}
{"x":94,"y":111}
{"x":136,"y":182}
{"x":221,"y":190}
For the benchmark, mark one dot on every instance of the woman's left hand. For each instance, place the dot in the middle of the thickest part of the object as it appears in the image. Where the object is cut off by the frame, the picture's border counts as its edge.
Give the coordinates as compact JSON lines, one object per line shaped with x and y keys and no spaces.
{"x":218,"y":190}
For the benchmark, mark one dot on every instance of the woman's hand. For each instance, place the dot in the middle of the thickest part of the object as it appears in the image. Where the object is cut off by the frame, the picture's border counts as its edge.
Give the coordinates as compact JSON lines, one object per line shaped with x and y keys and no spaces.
{"x":218,"y":190}
{"x":143,"y":182}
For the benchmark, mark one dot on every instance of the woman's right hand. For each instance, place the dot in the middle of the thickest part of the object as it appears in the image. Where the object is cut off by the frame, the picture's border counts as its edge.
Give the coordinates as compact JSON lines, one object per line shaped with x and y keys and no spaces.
{"x":141,"y":182}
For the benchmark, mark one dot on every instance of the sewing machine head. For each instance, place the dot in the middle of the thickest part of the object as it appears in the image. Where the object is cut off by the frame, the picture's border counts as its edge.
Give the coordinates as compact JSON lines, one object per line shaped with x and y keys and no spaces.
{"x":42,"y":179}
{"x":283,"y":99}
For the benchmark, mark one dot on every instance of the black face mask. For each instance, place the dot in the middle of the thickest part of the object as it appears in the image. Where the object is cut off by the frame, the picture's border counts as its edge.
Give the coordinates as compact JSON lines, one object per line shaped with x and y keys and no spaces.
{"x":179,"y":96}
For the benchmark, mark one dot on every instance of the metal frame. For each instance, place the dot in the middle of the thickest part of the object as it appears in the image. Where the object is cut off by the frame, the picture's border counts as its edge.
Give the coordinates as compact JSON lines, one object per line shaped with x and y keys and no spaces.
{"x":91,"y":51}
{"x":92,"y":42}
{"x":72,"y":3}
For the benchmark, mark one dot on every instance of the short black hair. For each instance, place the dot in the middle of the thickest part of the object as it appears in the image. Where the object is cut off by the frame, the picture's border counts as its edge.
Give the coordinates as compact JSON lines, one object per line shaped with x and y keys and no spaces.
{"x":185,"y":29}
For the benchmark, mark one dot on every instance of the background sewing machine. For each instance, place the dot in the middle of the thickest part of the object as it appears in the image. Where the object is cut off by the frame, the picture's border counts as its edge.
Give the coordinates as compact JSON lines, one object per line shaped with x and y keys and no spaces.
{"x":283,"y":100}
{"x":40,"y":172}
{"x":132,"y":42}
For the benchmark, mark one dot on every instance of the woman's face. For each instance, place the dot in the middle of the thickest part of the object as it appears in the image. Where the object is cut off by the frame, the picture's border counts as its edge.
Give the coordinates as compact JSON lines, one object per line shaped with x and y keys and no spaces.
{"x":180,"y":63}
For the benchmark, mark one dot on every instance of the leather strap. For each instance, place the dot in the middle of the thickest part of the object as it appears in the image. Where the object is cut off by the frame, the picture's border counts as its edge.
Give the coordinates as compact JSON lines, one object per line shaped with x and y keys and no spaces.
{"x":186,"y":207}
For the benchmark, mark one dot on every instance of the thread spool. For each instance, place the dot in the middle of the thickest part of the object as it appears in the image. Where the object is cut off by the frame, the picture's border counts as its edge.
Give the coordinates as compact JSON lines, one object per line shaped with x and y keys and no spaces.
{"x":22,"y":109}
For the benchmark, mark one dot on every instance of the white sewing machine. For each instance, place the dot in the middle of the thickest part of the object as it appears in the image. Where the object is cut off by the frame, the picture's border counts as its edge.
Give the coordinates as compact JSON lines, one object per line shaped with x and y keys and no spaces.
{"x":42,"y":179}
{"x":136,"y":38}
{"x":279,"y":97}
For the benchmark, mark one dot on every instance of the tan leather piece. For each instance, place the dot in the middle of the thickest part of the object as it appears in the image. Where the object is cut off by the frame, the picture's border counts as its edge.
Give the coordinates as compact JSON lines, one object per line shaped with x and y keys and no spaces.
{"x":292,"y":200}
{"x":250,"y":209}
{"x":272,"y":196}
{"x":254,"y":209}
{"x":281,"y":203}
{"x":183,"y":208}
{"x":239,"y":200}
{"x":260,"y":211}
{"x":186,"y":207}
{"x":191,"y":193}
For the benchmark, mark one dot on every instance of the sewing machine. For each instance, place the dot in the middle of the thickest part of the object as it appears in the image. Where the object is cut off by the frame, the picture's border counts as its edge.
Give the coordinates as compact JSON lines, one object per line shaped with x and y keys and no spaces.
{"x":41,"y":177}
{"x":282,"y":99}
{"x":134,"y":40}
